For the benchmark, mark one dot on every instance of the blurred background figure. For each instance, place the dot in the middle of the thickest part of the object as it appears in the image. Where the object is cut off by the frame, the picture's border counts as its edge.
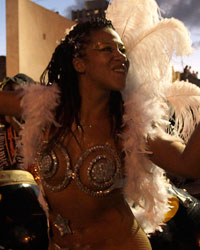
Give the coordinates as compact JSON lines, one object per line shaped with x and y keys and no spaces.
{"x":10,"y":126}
{"x":23,"y":224}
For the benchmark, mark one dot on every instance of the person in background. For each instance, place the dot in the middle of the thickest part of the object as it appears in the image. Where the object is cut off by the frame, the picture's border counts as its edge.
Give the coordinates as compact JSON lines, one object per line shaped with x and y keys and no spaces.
{"x":10,"y":126}
{"x":23,"y":223}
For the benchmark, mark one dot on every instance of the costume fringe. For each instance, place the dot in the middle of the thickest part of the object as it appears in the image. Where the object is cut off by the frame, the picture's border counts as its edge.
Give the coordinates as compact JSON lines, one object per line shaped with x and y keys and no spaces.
{"x":38,"y":106}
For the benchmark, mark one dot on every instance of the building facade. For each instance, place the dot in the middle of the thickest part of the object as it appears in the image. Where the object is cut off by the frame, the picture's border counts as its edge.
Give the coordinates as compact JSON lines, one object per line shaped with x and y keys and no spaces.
{"x":32,"y":33}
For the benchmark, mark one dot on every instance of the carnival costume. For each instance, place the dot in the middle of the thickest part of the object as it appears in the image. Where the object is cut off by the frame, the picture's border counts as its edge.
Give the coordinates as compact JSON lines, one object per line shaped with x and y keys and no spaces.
{"x":150,"y":101}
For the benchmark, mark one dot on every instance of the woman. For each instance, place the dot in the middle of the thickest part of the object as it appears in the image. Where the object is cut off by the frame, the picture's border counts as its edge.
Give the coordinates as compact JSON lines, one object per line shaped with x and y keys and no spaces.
{"x":88,"y":145}
{"x":81,"y":158}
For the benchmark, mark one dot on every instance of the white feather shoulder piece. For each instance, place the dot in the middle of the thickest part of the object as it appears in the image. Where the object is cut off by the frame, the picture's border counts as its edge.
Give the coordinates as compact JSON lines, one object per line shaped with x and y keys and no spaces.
{"x":146,"y":184}
{"x":148,"y":116}
{"x":38,"y":105}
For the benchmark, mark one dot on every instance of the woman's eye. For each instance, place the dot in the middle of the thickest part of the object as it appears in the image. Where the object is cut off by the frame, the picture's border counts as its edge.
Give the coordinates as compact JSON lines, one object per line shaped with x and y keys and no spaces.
{"x":108,"y":48}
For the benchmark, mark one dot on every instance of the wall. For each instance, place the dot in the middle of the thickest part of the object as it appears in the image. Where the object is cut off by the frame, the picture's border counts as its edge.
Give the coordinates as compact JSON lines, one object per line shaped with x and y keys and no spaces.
{"x":32,"y":35}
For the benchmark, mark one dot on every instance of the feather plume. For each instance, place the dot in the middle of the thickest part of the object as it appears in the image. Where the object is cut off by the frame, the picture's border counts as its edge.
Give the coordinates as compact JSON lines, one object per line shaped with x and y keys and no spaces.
{"x":151,"y":56}
{"x":38,"y":104}
{"x":128,"y":16}
{"x":184,"y":100}
{"x":151,"y":42}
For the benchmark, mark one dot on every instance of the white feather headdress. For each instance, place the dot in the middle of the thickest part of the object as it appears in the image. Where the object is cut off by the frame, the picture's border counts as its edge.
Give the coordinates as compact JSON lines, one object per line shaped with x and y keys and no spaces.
{"x":151,"y":98}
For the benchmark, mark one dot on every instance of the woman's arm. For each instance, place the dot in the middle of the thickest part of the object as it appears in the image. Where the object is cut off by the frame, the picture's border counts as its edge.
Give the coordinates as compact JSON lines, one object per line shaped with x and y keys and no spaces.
{"x":10,"y":103}
{"x":177,"y":158}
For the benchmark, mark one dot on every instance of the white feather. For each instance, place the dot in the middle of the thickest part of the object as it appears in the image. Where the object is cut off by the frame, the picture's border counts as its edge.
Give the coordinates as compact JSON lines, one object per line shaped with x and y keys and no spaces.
{"x":133,"y":16}
{"x":184,"y":100}
{"x":38,"y":104}
{"x":144,"y":179}
{"x":151,"y":42}
{"x":151,"y":57}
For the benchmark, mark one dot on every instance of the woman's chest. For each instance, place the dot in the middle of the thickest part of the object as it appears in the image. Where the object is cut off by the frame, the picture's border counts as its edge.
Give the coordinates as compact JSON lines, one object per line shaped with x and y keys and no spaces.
{"x":95,"y":167}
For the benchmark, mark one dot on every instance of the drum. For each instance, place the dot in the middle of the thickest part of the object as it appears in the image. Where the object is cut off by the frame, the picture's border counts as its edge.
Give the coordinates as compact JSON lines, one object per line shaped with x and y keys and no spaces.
{"x":182,"y":231}
{"x":23,"y":222}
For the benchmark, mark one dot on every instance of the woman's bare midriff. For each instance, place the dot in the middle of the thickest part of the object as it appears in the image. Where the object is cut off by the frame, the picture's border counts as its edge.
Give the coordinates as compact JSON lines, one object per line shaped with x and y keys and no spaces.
{"x":97,"y":223}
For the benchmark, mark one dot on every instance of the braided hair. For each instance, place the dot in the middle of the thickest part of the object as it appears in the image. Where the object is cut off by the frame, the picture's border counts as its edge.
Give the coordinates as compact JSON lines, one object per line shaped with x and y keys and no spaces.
{"x":60,"y":70}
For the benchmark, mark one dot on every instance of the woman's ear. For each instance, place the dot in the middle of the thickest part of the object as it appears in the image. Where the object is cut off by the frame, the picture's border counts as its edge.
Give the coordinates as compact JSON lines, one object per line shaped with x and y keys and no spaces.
{"x":78,"y":64}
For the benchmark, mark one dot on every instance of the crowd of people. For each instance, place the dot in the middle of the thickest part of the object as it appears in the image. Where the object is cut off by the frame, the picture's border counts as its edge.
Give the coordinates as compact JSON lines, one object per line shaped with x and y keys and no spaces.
{"x":96,"y":132}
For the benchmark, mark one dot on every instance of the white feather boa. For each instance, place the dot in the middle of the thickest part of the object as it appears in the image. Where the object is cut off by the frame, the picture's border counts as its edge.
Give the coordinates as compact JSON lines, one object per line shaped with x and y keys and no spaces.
{"x":38,"y":105}
{"x":146,"y":185}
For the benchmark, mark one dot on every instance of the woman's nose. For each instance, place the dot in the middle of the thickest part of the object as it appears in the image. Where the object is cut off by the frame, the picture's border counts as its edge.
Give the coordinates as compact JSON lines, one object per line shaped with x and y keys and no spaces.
{"x":121,"y":57}
{"x":119,"y":54}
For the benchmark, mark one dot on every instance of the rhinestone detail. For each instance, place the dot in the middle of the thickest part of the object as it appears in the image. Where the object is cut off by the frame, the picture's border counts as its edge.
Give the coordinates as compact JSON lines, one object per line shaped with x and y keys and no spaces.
{"x":68,"y":172}
{"x":103,"y":170}
{"x":48,"y":164}
{"x":62,"y":225}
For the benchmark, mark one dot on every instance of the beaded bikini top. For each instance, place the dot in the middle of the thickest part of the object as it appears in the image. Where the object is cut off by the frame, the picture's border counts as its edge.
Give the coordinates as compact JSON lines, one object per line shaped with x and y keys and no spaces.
{"x":104,"y":171}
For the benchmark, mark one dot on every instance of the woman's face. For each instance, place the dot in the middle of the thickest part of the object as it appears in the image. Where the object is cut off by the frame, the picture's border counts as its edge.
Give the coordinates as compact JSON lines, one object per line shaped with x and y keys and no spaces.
{"x":105,"y":61}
